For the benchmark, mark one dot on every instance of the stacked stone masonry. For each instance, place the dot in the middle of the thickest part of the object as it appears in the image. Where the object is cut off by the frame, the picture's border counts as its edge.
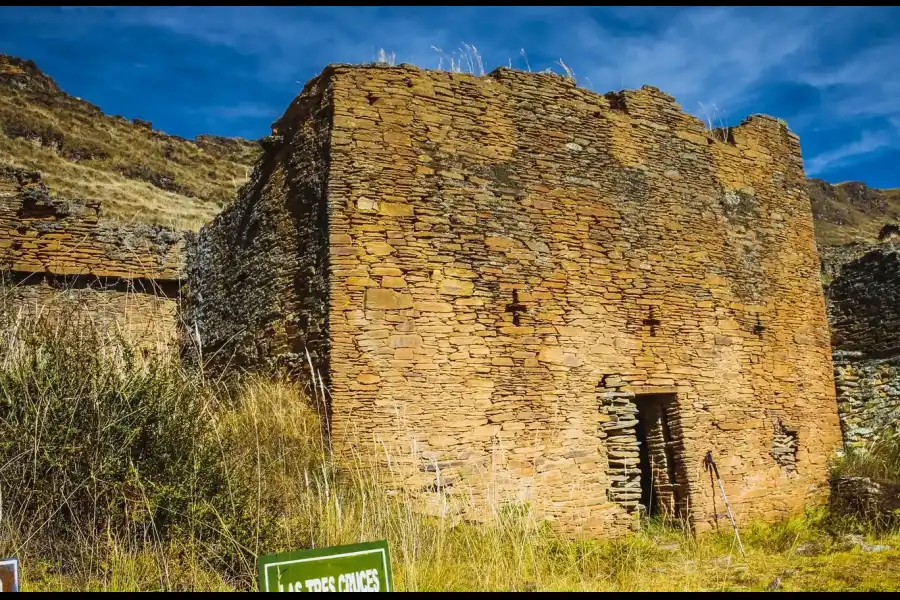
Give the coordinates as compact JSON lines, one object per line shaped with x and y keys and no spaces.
{"x":257,"y":275}
{"x":864,"y":310}
{"x":833,"y":258}
{"x":60,"y":258}
{"x":496,"y":275}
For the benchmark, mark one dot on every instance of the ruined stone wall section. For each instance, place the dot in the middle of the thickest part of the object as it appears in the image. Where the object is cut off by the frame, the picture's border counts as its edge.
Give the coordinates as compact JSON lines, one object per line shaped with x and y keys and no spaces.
{"x":42,"y":234}
{"x":864,"y":305}
{"x":864,"y":310}
{"x":257,"y":290}
{"x":833,"y":258}
{"x":146,"y":318}
{"x":644,"y":254}
{"x":868,"y":392}
{"x":61,"y":259}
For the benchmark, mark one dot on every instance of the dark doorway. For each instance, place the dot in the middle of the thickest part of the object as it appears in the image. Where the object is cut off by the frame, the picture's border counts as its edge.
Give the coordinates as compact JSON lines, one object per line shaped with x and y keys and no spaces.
{"x":647,"y":496}
{"x":660,"y":456}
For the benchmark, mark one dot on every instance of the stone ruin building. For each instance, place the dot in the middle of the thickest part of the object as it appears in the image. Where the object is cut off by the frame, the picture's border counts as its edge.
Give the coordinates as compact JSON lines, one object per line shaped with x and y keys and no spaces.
{"x":517,"y":290}
{"x":60,"y":258}
{"x":864,"y":310}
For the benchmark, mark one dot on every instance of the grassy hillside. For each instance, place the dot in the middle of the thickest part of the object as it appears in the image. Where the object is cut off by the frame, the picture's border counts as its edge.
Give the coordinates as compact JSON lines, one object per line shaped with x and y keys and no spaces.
{"x":137,"y":173}
{"x":851,"y":211}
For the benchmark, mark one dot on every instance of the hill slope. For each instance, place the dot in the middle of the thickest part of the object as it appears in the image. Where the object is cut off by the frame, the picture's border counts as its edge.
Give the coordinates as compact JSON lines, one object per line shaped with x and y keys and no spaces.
{"x":851,"y":211}
{"x":135,"y":172}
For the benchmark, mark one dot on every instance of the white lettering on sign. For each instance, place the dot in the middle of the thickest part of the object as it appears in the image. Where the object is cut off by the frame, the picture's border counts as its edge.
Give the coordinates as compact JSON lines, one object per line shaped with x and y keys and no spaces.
{"x":284,"y":572}
{"x":294,"y":586}
{"x":358,"y":581}
{"x":321,"y":584}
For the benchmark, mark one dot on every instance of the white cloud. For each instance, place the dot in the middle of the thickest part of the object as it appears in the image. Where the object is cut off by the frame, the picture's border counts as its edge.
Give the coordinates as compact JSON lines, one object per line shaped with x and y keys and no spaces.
{"x":867,"y":143}
{"x":714,"y":55}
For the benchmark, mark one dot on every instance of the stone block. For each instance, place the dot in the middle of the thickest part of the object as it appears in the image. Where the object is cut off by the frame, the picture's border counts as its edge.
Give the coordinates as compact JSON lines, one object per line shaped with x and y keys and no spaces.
{"x":456,"y":287}
{"x":384,"y":299}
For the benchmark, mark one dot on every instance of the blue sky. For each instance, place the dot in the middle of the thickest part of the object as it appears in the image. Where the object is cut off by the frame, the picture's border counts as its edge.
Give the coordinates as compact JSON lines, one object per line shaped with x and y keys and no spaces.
{"x":832,"y":73}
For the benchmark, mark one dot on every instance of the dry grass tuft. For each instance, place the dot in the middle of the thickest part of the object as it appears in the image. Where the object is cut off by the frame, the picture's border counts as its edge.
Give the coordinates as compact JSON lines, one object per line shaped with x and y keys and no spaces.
{"x":879,"y":461}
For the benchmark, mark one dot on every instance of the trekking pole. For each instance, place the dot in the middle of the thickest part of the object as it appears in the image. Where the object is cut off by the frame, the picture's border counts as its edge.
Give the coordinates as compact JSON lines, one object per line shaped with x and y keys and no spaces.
{"x":708,"y":464}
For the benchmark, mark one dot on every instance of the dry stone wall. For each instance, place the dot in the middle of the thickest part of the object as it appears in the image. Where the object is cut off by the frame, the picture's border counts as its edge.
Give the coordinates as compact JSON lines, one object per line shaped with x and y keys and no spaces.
{"x":146,"y":317}
{"x":833,"y":258}
{"x":60,"y":258}
{"x":256,"y":276}
{"x":864,"y":310}
{"x":647,"y":254}
{"x":863,"y":305}
{"x":509,"y":258}
{"x":868,"y":392}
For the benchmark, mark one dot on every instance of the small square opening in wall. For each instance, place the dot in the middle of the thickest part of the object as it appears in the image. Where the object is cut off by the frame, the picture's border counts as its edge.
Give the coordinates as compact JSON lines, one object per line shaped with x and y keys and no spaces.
{"x":784,"y":448}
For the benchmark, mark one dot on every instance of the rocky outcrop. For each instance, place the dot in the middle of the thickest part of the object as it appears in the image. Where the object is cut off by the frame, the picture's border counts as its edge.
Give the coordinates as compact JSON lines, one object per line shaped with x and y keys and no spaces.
{"x":851,"y":211}
{"x":147,"y":176}
{"x":24,"y":75}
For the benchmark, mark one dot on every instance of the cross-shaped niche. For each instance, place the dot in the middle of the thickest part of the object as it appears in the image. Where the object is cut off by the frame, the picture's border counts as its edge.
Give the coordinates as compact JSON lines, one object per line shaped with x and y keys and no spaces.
{"x":651,"y":321}
{"x":758,"y":329}
{"x":516,"y":308}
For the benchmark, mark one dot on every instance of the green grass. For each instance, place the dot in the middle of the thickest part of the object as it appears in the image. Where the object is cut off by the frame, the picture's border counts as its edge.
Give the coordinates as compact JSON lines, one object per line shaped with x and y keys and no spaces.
{"x":119,"y":473}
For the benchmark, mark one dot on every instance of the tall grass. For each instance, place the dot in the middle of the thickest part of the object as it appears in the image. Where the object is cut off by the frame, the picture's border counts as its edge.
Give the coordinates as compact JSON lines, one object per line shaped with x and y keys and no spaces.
{"x":122,"y":472}
{"x":879,"y":461}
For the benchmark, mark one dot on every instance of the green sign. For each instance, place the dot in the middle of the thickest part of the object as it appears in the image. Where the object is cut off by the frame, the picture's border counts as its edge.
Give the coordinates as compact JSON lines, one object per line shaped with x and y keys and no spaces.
{"x":355,"y":568}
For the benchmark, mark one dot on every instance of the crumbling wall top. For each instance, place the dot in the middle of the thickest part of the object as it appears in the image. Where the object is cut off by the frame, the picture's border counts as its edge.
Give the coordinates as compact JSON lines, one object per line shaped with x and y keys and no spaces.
{"x":755,"y":126}
{"x":43,"y":234}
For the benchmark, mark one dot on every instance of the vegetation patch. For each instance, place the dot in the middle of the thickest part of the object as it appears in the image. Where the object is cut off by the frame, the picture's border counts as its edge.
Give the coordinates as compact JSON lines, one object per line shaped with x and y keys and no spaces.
{"x":123,"y":472}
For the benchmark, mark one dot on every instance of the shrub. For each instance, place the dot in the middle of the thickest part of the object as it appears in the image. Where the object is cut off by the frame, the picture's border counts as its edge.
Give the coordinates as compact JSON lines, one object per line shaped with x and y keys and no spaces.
{"x":100,"y":447}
